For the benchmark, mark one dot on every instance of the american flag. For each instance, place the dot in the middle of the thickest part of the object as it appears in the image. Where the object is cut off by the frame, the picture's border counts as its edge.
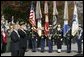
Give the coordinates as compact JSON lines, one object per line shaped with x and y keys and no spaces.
{"x":32,"y":16}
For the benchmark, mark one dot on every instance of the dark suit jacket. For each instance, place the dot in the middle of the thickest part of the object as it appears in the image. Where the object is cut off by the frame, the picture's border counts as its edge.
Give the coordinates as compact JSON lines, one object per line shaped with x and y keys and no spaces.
{"x":23,"y":39}
{"x":14,"y":41}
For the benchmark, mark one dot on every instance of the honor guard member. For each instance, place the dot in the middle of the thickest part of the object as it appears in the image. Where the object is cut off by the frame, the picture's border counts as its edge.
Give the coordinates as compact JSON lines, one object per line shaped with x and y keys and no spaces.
{"x":34,"y":39}
{"x":68,"y":40}
{"x":50,"y":43}
{"x":28,"y":35}
{"x":23,"y":39}
{"x":30,"y":38}
{"x":79,"y":39}
{"x":42,"y":42}
{"x":59,"y":39}
{"x":15,"y":41}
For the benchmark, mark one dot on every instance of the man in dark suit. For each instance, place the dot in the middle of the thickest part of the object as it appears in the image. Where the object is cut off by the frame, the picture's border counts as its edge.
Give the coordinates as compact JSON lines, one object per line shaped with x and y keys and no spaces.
{"x":23,"y":39}
{"x":15,"y":41}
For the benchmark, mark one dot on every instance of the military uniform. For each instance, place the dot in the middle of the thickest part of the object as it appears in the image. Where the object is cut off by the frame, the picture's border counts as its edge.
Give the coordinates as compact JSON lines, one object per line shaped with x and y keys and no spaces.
{"x":34,"y":41}
{"x":68,"y":41}
{"x":42,"y":43}
{"x":59,"y":40}
{"x":50,"y":42}
{"x":30,"y":39}
{"x":39,"y":41}
{"x":79,"y":40}
{"x":28,"y":35}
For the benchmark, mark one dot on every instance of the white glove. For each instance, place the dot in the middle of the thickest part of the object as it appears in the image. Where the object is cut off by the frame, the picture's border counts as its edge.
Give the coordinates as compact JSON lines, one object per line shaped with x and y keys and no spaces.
{"x":36,"y":39}
{"x":49,"y":37}
{"x":61,"y":39}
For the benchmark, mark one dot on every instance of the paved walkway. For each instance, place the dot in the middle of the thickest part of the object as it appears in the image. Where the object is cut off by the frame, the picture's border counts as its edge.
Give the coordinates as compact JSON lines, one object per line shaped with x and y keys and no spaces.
{"x":54,"y":53}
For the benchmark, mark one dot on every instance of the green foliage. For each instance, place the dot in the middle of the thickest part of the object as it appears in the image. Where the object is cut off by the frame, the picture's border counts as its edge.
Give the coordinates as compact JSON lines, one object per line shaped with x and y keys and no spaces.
{"x":9,"y":12}
{"x":21,"y":13}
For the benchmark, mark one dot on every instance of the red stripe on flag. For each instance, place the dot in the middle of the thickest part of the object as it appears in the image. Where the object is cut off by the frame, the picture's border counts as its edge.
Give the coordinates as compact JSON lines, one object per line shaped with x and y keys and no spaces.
{"x":46,"y":28}
{"x":32,"y":18}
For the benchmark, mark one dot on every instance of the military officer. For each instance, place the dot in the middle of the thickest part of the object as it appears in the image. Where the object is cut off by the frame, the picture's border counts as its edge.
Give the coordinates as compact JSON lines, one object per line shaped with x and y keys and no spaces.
{"x":30,"y":37}
{"x":42,"y":43}
{"x":42,"y":40}
{"x":50,"y":43}
{"x":59,"y":38}
{"x":68,"y":40}
{"x":79,"y":39}
{"x":34,"y":39}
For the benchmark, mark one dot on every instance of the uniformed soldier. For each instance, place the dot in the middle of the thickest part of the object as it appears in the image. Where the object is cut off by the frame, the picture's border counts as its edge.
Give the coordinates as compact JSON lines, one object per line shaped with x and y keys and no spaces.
{"x":30,"y":39}
{"x":68,"y":40}
{"x":50,"y":43}
{"x":23,"y":39}
{"x":79,"y":39}
{"x":59,"y":39}
{"x":42,"y":43}
{"x":28,"y":35}
{"x":34,"y":39}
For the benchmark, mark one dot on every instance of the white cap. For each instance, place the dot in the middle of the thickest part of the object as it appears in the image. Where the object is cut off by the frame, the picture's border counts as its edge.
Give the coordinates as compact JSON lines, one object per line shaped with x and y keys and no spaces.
{"x":59,"y":26}
{"x":50,"y":25}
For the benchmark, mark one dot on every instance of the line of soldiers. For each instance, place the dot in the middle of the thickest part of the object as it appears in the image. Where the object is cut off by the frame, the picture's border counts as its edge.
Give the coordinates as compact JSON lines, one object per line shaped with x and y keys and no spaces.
{"x":19,"y":36}
{"x":59,"y":40}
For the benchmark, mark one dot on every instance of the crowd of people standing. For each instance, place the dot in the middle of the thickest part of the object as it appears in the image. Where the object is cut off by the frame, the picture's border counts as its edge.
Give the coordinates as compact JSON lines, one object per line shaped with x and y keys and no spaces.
{"x":23,"y":37}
